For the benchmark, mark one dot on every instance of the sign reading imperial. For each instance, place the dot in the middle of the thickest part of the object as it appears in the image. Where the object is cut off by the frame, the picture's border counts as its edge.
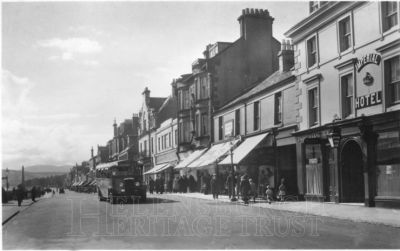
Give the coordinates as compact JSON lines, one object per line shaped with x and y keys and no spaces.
{"x":371,"y":99}
{"x":368,"y":59}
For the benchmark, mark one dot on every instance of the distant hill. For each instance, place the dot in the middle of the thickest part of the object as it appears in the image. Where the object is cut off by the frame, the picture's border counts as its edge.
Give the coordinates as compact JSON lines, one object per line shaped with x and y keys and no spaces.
{"x":48,"y":168}
{"x":38,"y":171}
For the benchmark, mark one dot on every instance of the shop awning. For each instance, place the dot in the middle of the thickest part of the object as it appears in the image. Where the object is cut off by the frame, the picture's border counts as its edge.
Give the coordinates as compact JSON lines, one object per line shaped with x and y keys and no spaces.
{"x":243,"y":149}
{"x":75,"y":183}
{"x":214,"y":154}
{"x":164,"y":167}
{"x":106,"y":165}
{"x":192,"y":157}
{"x":80,"y":183}
{"x":156,"y":168}
{"x":93,"y":183}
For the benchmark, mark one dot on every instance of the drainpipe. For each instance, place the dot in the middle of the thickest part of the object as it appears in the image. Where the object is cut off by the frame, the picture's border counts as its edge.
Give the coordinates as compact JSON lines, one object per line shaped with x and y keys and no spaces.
{"x":210,"y":110}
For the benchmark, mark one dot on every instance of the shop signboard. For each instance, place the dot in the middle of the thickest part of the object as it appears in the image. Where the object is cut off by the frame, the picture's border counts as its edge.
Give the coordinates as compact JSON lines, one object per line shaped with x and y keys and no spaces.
{"x":228,"y":129}
{"x":374,"y":98}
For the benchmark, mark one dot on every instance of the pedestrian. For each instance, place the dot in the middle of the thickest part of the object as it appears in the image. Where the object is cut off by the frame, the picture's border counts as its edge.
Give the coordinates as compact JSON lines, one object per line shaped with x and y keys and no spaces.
{"x":230,"y":186}
{"x":270,"y":194}
{"x":20,"y":194}
{"x":261,"y":182}
{"x":151,"y":185}
{"x":4,"y":195}
{"x":33,"y":194}
{"x":192,"y":184}
{"x":185,"y":183}
{"x":253,"y":189}
{"x":245,"y":188}
{"x":237,"y":183}
{"x":180,"y":184}
{"x":282,"y":190}
{"x":175,"y":185}
{"x":161,"y":185}
{"x":214,"y":186}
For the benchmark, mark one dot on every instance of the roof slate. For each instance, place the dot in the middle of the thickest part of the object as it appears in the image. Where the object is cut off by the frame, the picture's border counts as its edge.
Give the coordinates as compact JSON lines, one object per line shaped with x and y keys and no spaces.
{"x":273,"y":79}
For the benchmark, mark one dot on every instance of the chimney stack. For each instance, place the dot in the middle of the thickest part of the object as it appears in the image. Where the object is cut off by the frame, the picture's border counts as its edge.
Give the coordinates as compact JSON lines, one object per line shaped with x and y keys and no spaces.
{"x":286,"y":56}
{"x":146,"y":95}
{"x":115,"y":128}
{"x":254,"y":21}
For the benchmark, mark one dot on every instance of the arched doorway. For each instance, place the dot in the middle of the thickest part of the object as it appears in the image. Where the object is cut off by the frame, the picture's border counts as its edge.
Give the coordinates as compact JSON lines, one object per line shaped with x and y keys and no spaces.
{"x":351,"y":173}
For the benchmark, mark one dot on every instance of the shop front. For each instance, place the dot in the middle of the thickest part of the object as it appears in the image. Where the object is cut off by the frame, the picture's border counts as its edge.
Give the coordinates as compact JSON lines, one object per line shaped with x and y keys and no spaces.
{"x":207,"y":164}
{"x":352,"y":161}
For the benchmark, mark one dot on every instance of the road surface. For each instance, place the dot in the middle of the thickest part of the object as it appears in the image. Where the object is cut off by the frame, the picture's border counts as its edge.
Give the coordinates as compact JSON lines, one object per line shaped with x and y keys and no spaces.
{"x":80,"y":221}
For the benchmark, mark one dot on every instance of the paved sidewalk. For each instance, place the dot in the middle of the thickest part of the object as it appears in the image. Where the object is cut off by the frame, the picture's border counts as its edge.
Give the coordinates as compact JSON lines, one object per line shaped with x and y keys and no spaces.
{"x":353,"y":212}
{"x":11,"y":208}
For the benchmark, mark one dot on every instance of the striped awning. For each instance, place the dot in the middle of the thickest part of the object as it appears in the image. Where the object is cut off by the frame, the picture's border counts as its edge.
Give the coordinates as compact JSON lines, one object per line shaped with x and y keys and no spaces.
{"x":103,"y":166}
{"x":157,"y":168}
{"x":192,"y":157}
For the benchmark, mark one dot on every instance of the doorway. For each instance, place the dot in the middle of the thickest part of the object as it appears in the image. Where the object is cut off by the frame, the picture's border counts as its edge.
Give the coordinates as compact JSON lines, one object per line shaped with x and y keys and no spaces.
{"x":351,"y":173}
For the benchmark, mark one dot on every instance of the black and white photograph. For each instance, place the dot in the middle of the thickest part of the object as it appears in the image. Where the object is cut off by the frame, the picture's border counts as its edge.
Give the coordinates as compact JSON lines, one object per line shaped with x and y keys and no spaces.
{"x":197,"y":125}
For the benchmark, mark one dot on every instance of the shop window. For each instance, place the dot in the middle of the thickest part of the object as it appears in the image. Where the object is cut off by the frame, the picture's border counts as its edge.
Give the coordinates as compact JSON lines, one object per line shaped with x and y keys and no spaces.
{"x":346,"y":83}
{"x":314,"y":169}
{"x":392,"y":79}
{"x":220,"y":129}
{"x":256,"y":116}
{"x":237,"y":122}
{"x":313,"y":106}
{"x":311,"y":51}
{"x":278,"y":108}
{"x":388,"y":162}
{"x":159,"y":145}
{"x":345,"y":34}
{"x":389,"y":15}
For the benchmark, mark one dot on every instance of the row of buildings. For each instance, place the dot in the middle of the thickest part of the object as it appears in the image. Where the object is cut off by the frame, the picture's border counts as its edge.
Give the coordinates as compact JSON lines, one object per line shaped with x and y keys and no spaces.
{"x":321,"y":110}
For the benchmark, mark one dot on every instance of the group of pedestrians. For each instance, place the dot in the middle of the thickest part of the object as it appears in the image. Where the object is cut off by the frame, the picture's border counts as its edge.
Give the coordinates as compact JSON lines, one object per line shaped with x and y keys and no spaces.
{"x":246,"y":188}
{"x":179,"y":184}
{"x":238,"y":187}
{"x":156,"y":185}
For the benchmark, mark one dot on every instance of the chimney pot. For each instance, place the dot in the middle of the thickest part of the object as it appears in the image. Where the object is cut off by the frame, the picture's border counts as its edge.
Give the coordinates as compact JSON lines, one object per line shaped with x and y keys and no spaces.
{"x":252,"y":11}
{"x":247,"y":10}
{"x":257,"y":11}
{"x":243,"y":11}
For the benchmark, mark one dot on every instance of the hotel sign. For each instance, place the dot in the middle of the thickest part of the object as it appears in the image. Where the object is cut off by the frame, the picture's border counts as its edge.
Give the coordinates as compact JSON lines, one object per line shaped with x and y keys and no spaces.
{"x":374,"y":98}
{"x":368,"y":59}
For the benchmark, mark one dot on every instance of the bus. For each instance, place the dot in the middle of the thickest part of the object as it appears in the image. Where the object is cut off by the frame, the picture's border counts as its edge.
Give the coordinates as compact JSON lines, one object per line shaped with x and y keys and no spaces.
{"x":120,"y":183}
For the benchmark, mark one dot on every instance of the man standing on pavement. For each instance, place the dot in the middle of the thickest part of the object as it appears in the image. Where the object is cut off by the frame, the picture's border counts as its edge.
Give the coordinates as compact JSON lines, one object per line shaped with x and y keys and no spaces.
{"x":20,"y":194}
{"x":230,"y":185}
{"x":214,"y":186}
{"x":33,"y":194}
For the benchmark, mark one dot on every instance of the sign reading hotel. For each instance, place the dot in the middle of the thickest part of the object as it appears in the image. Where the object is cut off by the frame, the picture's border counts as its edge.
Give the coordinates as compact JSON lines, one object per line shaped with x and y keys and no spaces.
{"x":371,"y":99}
{"x":371,"y":58}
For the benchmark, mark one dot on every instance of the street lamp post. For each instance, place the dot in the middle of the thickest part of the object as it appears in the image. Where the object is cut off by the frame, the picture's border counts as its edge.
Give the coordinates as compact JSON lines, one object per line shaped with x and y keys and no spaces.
{"x":334,"y":141}
{"x":7,"y":184}
{"x":232,"y":171}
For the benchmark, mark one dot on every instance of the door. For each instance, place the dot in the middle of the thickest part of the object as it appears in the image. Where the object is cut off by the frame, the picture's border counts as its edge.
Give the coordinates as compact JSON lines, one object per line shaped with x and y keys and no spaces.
{"x":351,"y":173}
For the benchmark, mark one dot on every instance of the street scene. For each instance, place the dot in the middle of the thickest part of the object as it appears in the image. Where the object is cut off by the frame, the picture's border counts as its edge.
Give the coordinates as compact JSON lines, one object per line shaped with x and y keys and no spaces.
{"x":201,"y":125}
{"x":80,"y":221}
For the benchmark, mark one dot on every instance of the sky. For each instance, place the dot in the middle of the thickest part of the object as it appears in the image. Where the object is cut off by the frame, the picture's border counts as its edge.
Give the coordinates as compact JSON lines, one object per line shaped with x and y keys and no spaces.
{"x":70,"y":68}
